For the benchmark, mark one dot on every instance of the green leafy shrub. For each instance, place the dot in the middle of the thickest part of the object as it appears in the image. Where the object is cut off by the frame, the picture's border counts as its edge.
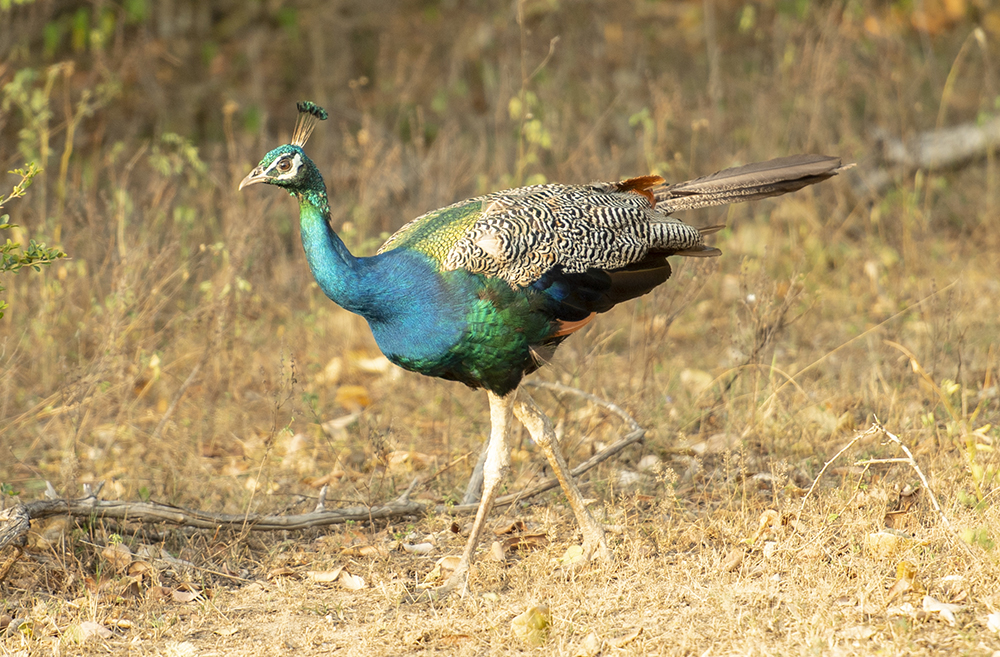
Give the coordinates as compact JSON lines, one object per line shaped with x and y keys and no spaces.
{"x":12,"y":255}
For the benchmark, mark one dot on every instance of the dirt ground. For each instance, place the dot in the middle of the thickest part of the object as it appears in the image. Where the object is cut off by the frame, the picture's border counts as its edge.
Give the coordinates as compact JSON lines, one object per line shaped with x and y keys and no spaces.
{"x":183,"y":355}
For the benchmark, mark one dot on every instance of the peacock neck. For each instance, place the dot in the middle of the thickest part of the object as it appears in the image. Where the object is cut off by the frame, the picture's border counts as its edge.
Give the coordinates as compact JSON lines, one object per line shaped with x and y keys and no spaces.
{"x":413,"y":313}
{"x":338,"y":273}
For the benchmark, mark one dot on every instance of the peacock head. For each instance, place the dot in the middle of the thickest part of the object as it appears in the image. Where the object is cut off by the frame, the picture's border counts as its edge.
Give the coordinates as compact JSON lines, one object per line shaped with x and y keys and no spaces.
{"x":288,"y":166}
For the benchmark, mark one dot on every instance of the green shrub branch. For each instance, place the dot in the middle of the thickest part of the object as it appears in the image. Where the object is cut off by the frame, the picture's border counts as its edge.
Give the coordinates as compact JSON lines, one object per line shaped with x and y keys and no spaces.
{"x":13,"y":256}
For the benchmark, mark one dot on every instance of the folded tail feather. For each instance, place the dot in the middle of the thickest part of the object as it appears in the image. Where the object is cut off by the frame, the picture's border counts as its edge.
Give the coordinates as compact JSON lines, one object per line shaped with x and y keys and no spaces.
{"x":747,"y":183}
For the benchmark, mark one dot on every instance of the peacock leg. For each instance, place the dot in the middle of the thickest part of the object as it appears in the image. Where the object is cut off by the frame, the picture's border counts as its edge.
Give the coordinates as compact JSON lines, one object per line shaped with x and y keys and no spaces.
{"x":495,"y":469}
{"x":540,"y":427}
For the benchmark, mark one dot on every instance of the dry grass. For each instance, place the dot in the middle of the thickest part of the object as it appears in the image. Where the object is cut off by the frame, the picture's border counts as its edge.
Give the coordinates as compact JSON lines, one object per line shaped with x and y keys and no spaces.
{"x":750,"y":372}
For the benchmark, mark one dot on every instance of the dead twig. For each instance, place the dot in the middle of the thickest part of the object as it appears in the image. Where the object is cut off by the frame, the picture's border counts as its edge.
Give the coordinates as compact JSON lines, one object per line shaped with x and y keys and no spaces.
{"x":932,"y":150}
{"x":14,"y":521}
{"x":916,"y":468}
{"x":877,"y":427}
{"x":857,"y":436}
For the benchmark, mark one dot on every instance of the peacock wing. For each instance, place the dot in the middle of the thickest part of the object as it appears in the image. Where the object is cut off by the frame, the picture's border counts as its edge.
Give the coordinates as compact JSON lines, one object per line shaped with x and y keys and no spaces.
{"x":520,"y":235}
{"x":436,"y":233}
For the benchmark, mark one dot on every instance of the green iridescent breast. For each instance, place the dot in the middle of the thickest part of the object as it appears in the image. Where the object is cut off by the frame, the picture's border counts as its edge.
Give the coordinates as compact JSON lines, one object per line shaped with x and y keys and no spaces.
{"x":435,"y":233}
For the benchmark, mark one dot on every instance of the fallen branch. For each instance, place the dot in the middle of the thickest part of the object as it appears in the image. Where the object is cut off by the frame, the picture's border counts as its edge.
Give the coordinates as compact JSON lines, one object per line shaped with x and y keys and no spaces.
{"x":14,"y":522}
{"x":931,"y":150}
{"x":940,"y":149}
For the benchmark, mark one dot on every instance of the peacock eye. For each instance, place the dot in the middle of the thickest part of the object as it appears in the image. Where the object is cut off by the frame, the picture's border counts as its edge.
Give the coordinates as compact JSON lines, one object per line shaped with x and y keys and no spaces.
{"x":284,"y":166}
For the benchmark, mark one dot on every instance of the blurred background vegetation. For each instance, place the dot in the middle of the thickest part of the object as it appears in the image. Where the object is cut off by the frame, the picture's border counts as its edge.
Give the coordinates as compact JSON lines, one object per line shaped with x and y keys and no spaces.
{"x":182,"y":351}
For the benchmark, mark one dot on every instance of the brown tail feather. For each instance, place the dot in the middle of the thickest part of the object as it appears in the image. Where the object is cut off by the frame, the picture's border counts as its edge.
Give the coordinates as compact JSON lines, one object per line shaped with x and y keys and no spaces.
{"x":748,"y":182}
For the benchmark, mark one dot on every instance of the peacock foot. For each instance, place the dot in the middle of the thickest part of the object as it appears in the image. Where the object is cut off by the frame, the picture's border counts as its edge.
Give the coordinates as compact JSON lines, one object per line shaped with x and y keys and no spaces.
{"x":595,"y":548}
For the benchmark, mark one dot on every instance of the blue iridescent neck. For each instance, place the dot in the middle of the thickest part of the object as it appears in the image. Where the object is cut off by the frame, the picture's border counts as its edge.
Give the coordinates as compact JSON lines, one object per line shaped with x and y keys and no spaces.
{"x":412,"y":311}
{"x":337,"y":272}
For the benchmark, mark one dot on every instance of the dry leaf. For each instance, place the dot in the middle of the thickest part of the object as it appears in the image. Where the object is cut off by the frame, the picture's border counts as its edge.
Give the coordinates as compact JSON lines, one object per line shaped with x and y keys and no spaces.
{"x":696,"y":381}
{"x":947,"y":611}
{"x":516,"y":526}
{"x":325,"y":576}
{"x":449,"y":562}
{"x":369,"y":364}
{"x":415,"y":637}
{"x":283,"y":571}
{"x":887,"y":542}
{"x":434,"y":575}
{"x":733,"y":560}
{"x":716,"y":444}
{"x":496,"y":552}
{"x":131,"y":589}
{"x":227,"y":631}
{"x":184,"y":596}
{"x":351,"y":582}
{"x":330,"y":373}
{"x":401,"y":461}
{"x":418,"y":548}
{"x":353,"y":398}
{"x":589,"y":647}
{"x":118,"y":555}
{"x":573,"y":556}
{"x":857,"y":633}
{"x":906,"y":574}
{"x":993,"y":622}
{"x":454,"y":639}
{"x":443,"y":564}
{"x":768,"y":520}
{"x":159,"y":592}
{"x":87,"y":630}
{"x":97,"y":585}
{"x":625,"y":639}
{"x":525,"y":543}
{"x":954,"y":586}
{"x":184,"y":649}
{"x":337,"y":426}
{"x":629,"y":479}
{"x":140,"y":569}
{"x":373,"y":551}
{"x":532,"y":626}
{"x":649,"y":464}
{"x":365,"y":551}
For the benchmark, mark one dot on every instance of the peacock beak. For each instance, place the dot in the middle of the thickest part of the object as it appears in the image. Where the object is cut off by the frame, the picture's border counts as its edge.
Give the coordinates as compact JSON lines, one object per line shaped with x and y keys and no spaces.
{"x":254,"y":176}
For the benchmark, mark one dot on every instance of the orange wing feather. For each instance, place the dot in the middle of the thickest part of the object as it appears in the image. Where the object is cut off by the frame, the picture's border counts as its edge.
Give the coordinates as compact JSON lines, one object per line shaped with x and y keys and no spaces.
{"x":641,"y":186}
{"x":565,"y":328}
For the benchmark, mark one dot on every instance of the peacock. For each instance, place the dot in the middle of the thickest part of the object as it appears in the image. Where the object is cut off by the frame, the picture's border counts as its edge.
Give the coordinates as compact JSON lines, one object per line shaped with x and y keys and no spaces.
{"x":484,"y":290}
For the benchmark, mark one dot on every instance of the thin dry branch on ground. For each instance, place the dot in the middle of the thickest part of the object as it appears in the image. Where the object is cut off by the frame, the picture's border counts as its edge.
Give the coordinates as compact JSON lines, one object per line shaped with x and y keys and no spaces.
{"x":874,"y":428}
{"x":15,"y":521}
{"x":931,"y":150}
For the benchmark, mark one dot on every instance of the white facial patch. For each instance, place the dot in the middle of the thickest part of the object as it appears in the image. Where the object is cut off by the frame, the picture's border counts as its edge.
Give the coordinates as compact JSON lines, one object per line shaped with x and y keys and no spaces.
{"x":293,"y":171}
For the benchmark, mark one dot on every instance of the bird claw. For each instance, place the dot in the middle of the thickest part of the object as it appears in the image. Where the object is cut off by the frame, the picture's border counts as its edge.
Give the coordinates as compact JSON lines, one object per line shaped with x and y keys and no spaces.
{"x":595,"y":542}
{"x":596,"y":549}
